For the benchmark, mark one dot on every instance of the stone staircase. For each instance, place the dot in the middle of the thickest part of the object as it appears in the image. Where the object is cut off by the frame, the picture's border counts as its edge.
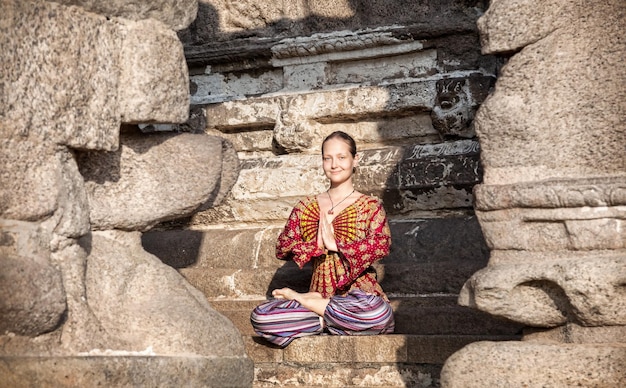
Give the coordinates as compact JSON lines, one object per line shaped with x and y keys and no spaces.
{"x":429,"y":330}
{"x":235,"y":269}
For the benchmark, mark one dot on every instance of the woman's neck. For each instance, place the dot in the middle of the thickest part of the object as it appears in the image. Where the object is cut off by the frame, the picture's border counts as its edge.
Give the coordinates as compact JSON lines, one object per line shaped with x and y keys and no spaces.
{"x":342,"y":189}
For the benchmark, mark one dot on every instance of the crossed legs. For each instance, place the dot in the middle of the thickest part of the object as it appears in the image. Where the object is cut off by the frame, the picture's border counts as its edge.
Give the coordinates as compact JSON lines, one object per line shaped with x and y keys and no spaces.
{"x":292,"y":315}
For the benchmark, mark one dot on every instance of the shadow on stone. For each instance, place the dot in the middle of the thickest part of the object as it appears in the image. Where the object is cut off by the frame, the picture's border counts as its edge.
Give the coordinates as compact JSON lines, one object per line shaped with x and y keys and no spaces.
{"x":289,"y":275}
{"x":178,"y":249}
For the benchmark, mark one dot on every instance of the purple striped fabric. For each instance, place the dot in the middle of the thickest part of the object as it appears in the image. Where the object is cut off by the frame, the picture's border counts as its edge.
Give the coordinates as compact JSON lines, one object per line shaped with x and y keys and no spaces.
{"x":281,"y":321}
{"x":357,"y":313}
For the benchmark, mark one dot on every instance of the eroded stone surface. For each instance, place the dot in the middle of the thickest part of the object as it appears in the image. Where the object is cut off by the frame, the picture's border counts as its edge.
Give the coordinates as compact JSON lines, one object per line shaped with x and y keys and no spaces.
{"x":124,"y":288}
{"x":176,"y":14}
{"x":142,"y":368}
{"x":153,"y":74}
{"x":129,"y":189}
{"x":72,"y":77}
{"x":557,"y":110}
{"x":544,"y":196}
{"x":518,"y":364}
{"x":62,"y":77}
{"x":552,"y":293}
{"x":33,"y":298}
{"x":28,"y":184}
{"x":551,"y":204}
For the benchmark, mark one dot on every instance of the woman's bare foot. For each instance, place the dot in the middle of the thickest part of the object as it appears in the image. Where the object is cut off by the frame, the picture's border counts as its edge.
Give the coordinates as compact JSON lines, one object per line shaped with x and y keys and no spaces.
{"x":284,"y":293}
{"x":313,"y":301}
{"x":288,"y":293}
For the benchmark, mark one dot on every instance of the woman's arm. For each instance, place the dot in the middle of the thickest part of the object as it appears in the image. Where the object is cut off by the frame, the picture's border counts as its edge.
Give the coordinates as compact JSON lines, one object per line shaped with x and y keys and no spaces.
{"x":296,"y":243}
{"x":361,"y":254}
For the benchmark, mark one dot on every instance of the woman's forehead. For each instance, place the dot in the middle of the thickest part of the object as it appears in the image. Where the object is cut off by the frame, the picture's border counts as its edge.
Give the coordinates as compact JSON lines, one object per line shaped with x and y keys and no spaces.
{"x":336,"y":146}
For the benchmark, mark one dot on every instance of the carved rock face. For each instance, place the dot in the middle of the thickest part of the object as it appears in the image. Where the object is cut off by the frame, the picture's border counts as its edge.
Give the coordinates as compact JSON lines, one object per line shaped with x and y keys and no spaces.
{"x":552,"y":204}
{"x":73,"y":78}
{"x":550,"y":193}
{"x":456,"y":103}
{"x":453,"y":113}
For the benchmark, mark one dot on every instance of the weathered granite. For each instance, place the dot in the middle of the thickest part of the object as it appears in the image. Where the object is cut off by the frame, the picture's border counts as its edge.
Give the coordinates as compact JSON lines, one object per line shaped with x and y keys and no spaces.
{"x":33,"y":298}
{"x":37,"y":169}
{"x":83,"y":309}
{"x":572,"y":333}
{"x":176,"y":14}
{"x":558,"y":109}
{"x":123,"y":284}
{"x":122,"y":369}
{"x":556,"y":204}
{"x":127,"y":72}
{"x":150,"y":95}
{"x":518,"y":364}
{"x":548,"y":294}
{"x":62,"y":89}
{"x":551,"y":204}
{"x":129,"y":189}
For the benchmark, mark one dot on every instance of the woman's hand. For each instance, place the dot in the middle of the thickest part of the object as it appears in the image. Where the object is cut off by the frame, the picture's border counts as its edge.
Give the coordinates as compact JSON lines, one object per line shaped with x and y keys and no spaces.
{"x":326,"y":234}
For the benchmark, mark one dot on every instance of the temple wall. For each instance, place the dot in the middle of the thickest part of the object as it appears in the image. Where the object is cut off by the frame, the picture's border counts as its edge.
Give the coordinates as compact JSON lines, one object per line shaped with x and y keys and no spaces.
{"x":407,"y":92}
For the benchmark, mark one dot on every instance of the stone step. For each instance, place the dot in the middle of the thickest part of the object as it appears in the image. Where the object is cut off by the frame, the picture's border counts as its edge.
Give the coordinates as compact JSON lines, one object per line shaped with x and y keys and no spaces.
{"x":428,"y":256}
{"x":396,"y":360}
{"x":124,"y":369}
{"x":414,"y":315}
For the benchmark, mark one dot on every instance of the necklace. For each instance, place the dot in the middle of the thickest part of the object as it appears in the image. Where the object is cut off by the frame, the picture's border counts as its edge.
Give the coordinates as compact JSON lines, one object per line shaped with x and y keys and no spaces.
{"x":332,"y":206}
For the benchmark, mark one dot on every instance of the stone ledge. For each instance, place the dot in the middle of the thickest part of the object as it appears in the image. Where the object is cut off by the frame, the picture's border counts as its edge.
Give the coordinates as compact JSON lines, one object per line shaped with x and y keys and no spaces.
{"x":535,"y":364}
{"x":391,"y":348}
{"x":125,"y":371}
{"x":347,"y":375}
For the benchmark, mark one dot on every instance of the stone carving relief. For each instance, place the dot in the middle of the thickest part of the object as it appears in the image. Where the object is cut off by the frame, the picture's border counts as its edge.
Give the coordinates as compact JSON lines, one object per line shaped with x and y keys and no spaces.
{"x":456,"y":103}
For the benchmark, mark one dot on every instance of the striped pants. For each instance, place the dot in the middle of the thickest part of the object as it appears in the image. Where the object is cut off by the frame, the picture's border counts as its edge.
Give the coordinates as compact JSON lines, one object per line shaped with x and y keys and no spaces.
{"x":356,"y":313}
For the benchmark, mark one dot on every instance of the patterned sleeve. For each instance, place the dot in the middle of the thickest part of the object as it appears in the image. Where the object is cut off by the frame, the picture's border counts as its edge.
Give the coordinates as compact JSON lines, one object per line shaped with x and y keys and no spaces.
{"x":294,"y":242}
{"x":359,"y":255}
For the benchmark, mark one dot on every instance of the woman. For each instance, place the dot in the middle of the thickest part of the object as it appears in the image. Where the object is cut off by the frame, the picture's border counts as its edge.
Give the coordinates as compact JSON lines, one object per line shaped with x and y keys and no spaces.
{"x":343,"y":232}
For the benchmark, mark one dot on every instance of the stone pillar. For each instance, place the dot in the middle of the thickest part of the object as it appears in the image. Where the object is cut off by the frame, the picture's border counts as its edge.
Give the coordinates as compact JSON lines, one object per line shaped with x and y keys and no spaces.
{"x":552,"y":205}
{"x":83,"y":304}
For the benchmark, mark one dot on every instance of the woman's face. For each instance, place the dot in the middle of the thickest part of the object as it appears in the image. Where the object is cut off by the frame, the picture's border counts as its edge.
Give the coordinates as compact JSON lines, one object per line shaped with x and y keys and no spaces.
{"x":337,"y":160}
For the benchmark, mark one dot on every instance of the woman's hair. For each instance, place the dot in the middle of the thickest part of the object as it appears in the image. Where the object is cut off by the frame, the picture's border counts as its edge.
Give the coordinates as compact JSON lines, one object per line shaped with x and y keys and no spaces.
{"x":343,"y":136}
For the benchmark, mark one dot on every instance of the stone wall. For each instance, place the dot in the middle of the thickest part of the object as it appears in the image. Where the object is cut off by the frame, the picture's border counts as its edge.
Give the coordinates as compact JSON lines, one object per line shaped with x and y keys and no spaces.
{"x":275,"y":79}
{"x":83,"y":304}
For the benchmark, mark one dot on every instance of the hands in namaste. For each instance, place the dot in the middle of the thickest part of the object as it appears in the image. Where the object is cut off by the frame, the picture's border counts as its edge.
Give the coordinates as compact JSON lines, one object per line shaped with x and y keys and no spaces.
{"x":326,"y":233}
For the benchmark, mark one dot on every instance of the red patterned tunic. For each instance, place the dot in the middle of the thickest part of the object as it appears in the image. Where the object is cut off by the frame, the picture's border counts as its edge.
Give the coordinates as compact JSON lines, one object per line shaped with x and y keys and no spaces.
{"x":362,"y":235}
